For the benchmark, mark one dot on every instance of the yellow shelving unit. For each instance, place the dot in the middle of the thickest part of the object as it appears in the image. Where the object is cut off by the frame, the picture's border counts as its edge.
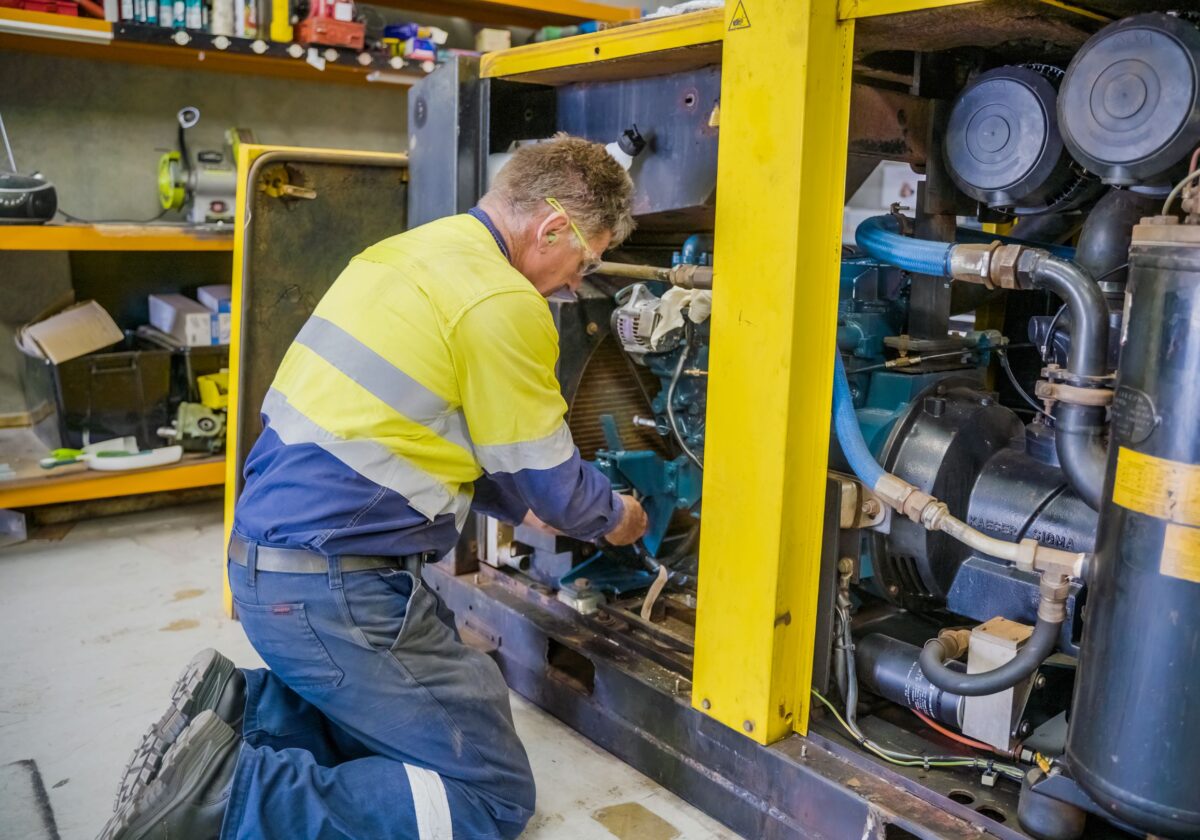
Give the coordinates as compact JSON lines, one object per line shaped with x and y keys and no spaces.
{"x":113,"y":238}
{"x":79,"y":37}
{"x":84,"y":485}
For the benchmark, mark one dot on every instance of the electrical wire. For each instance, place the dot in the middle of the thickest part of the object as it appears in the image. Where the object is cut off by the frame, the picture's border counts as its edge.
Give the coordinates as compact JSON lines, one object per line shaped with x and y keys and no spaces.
{"x":956,"y":736}
{"x":892,"y":757}
{"x":1012,"y":378}
{"x":687,"y":450}
{"x":1179,"y":188}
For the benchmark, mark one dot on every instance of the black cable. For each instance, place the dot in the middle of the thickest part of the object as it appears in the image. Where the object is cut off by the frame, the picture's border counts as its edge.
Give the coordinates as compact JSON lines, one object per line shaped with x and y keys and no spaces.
{"x":72,"y":218}
{"x":1012,"y":377}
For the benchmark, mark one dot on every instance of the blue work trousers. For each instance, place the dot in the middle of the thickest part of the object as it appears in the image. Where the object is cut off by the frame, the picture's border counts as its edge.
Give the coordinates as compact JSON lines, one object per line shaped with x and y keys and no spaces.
{"x":373,"y":719}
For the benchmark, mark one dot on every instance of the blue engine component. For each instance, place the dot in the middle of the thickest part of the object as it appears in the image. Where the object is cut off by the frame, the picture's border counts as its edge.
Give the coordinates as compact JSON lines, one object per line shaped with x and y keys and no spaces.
{"x":679,"y":360}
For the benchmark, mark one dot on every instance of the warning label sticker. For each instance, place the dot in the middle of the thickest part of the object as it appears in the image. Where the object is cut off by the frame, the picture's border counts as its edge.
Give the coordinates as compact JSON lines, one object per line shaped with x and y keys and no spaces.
{"x":1181,"y":553}
{"x":1158,"y":487}
{"x":740,"y":19}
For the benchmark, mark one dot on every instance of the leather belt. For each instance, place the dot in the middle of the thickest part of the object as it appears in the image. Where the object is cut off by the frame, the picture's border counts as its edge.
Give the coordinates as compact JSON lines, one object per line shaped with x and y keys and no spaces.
{"x":301,"y":561}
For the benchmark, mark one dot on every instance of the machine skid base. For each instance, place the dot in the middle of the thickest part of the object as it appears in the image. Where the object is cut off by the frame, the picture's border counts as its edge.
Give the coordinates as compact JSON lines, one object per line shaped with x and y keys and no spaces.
{"x":801,"y":787}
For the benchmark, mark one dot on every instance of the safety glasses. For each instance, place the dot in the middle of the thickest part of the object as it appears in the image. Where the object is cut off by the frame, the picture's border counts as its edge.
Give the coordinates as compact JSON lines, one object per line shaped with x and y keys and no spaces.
{"x":591,"y":261}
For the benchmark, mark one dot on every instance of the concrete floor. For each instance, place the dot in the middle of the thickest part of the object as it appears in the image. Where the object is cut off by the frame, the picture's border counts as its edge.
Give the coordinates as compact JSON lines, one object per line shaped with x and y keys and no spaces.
{"x":96,"y":626}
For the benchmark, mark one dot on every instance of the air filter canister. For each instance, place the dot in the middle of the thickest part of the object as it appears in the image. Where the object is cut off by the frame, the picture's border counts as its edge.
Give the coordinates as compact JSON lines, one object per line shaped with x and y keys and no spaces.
{"x":1129,"y":107}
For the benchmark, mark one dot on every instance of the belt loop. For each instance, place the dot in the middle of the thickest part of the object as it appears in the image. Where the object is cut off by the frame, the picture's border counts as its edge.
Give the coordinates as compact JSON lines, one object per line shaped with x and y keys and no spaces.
{"x":251,"y":562}
{"x":335,"y":572}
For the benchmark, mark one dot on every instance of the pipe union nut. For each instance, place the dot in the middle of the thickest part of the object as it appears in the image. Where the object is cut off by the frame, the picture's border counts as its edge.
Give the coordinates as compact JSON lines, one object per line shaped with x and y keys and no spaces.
{"x":971,"y":263}
{"x":1004,"y":266}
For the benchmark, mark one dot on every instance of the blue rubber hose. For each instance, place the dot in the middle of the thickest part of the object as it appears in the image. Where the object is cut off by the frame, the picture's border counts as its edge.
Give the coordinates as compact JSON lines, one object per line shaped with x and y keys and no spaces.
{"x":849,"y":434}
{"x":880,"y":237}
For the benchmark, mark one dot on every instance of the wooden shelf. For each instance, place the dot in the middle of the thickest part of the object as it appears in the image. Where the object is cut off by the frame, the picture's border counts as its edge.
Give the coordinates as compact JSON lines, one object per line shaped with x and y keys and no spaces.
{"x":114,"y":237}
{"x":56,"y":488}
{"x":78,"y":37}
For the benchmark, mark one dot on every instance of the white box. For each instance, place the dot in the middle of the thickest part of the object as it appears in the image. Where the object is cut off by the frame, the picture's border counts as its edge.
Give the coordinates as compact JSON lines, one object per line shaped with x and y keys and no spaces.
{"x":491,"y":40}
{"x":218,"y":298}
{"x":189,"y":322}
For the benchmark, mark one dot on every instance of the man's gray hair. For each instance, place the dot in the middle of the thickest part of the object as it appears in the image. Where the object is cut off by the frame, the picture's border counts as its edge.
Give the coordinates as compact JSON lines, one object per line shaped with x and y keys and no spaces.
{"x":593,"y":188}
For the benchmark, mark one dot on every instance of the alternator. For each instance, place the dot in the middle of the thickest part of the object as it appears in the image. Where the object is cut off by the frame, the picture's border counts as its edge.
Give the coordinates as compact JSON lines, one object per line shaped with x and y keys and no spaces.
{"x":634,"y":320}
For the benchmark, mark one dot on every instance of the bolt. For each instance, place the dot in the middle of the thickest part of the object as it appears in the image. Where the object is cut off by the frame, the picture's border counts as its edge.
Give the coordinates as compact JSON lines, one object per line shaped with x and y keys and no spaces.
{"x":704,"y":704}
{"x":803,"y":752}
{"x":1026,"y":728}
{"x":1040,"y":682}
{"x":870,"y":508}
{"x":748,"y":726}
{"x":845,"y":565}
{"x":893,"y":589}
{"x":592,"y":328}
{"x":582,"y":584}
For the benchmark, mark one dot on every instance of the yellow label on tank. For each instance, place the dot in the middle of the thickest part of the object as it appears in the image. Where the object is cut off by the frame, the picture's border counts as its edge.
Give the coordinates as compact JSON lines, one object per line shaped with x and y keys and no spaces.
{"x":1181,"y":553}
{"x":1157,"y":487}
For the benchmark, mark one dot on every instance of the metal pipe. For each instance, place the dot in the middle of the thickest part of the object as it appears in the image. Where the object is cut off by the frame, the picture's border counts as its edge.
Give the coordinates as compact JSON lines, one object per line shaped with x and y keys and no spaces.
{"x":1079,"y":442}
{"x":1089,"y":313}
{"x":634,"y":271}
{"x":684,"y":276}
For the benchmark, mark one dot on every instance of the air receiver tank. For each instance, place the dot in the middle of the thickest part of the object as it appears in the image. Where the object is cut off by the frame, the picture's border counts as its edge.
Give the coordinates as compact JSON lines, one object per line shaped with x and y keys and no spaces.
{"x":1134,"y":741}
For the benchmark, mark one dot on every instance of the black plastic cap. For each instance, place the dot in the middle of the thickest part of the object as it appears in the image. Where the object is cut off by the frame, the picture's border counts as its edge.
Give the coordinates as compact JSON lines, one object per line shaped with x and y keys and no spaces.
{"x":1129,"y":107}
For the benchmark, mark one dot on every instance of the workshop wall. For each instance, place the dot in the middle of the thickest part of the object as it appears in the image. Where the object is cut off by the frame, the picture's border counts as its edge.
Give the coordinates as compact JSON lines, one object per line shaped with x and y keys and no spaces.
{"x":97,"y":128}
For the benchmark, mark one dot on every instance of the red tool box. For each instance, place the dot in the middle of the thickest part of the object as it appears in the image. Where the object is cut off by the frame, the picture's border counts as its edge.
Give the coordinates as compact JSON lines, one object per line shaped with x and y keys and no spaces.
{"x":53,"y":7}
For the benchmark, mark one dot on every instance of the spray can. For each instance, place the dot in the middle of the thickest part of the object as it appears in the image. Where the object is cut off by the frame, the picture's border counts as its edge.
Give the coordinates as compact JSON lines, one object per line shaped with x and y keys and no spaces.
{"x":222,"y":17}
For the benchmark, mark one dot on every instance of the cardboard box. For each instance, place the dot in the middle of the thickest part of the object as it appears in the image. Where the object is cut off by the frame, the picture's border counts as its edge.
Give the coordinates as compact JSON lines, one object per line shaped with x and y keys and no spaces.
{"x":74,"y":332}
{"x":189,"y":322}
{"x":218,"y":298}
{"x":490,"y":40}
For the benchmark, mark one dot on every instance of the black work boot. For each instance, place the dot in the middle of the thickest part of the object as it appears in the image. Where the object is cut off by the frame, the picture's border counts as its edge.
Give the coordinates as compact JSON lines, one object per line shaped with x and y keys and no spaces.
{"x":210,"y":681}
{"x":189,"y":797}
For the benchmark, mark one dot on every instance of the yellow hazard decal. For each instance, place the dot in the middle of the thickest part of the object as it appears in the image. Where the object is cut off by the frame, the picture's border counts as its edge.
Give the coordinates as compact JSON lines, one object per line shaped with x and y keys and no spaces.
{"x":740,"y":19}
{"x":1157,"y":487}
{"x":1181,"y":553}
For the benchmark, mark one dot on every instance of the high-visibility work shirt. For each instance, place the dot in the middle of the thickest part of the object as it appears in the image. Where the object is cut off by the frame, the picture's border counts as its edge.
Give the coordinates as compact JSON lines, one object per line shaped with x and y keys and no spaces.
{"x":423,"y":385}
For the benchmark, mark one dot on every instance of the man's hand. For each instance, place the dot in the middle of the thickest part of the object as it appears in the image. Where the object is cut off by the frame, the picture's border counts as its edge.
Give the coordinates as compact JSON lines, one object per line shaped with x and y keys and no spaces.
{"x":533,"y":522}
{"x":632,"y":524}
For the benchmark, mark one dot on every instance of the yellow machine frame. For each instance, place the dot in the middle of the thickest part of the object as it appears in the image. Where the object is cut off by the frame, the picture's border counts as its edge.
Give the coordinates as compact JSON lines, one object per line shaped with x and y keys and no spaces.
{"x":785,"y":101}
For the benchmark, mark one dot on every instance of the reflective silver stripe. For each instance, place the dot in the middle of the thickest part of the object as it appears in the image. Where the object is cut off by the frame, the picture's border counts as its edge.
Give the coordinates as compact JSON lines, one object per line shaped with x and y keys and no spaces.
{"x":430,"y":805}
{"x":541,"y":454}
{"x":369,"y":459}
{"x":383,"y":379}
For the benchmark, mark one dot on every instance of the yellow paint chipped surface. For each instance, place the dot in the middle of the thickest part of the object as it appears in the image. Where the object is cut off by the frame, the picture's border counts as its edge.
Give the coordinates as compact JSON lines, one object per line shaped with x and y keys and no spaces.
{"x":185,"y":594}
{"x":180,"y":624}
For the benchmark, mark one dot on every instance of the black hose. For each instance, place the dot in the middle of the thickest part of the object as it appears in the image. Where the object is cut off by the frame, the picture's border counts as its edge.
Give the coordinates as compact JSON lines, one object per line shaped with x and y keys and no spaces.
{"x":1040,"y":645}
{"x":1079,"y":442}
{"x":1089,"y":313}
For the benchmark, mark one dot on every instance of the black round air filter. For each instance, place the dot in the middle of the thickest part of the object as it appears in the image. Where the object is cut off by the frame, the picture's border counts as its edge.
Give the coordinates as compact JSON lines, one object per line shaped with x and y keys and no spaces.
{"x":1129,"y":107}
{"x":1002,"y":143}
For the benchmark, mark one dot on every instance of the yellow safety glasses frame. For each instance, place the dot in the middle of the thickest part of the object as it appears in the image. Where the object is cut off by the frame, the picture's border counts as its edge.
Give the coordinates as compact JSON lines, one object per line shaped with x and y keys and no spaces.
{"x":591,"y":260}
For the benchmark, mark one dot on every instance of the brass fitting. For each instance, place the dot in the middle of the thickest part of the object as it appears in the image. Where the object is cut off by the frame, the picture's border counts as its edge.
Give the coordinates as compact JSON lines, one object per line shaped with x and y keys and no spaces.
{"x":688,"y":276}
{"x":954,"y":643}
{"x":972,"y":263}
{"x":1052,"y":603}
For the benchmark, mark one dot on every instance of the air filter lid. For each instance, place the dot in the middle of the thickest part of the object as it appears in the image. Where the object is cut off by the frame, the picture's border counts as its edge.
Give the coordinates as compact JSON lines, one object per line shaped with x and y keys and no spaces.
{"x":1129,"y":107}
{"x":1002,"y":144}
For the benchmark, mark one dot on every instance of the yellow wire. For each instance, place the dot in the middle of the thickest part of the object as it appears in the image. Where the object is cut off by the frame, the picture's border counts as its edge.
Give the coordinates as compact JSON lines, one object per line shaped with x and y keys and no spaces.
{"x":903,"y":762}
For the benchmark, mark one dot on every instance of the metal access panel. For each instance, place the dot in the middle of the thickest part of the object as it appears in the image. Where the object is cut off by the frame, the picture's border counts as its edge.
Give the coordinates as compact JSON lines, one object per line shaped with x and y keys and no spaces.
{"x":675,"y":177}
{"x":302,"y":214}
{"x":445,"y":141}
